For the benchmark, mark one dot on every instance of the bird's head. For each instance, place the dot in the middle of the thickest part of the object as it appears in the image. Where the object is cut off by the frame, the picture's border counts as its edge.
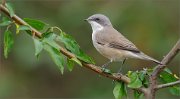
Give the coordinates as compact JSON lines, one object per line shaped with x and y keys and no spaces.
{"x":98,"y":21}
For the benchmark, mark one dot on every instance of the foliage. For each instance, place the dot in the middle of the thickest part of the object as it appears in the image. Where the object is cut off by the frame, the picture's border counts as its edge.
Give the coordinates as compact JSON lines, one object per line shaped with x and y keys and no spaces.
{"x":48,"y":42}
{"x":8,"y":42}
{"x":166,"y":77}
{"x":119,"y":90}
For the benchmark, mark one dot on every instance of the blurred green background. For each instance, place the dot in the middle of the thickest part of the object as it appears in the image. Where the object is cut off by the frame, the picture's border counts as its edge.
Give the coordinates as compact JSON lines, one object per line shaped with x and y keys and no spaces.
{"x":153,"y":25}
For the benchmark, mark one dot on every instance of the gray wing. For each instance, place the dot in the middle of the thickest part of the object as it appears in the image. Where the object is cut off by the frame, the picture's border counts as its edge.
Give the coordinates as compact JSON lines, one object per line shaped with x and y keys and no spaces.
{"x":124,"y":47}
{"x":114,"y":39}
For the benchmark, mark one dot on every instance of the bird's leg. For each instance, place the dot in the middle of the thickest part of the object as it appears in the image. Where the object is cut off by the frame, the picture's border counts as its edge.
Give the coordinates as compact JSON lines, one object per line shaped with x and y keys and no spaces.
{"x":120,"y":68}
{"x":121,"y":65}
{"x":106,"y":64}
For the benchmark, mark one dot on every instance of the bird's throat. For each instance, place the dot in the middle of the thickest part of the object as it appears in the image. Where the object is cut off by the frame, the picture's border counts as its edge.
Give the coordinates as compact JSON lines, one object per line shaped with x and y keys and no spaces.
{"x":96,"y":26}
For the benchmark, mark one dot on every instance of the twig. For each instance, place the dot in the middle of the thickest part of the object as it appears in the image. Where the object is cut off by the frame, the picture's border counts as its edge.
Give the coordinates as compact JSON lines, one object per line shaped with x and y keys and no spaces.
{"x":167,"y":85}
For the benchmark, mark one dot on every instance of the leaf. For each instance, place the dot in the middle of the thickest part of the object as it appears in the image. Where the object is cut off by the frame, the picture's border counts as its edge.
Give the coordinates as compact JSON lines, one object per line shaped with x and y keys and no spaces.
{"x":70,"y":64}
{"x":167,"y":77}
{"x":129,"y":73}
{"x":138,"y":95}
{"x":85,"y":57}
{"x":119,"y":90}
{"x":17,"y":28}
{"x":46,"y":34}
{"x":49,"y":39}
{"x":175,"y":90}
{"x":10,"y":9}
{"x":73,"y":47}
{"x":69,"y":42}
{"x":24,"y":27}
{"x":76,"y":60}
{"x":5,"y":22}
{"x":38,"y":47}
{"x":8,"y":42}
{"x":135,"y":81}
{"x":167,"y":70}
{"x":56,"y":56}
{"x":149,"y":71}
{"x":39,"y":25}
{"x":142,"y":75}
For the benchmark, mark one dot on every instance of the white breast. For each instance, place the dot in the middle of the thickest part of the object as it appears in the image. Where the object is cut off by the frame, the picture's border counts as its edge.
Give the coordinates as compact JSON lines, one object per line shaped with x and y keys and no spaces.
{"x":96,"y":26}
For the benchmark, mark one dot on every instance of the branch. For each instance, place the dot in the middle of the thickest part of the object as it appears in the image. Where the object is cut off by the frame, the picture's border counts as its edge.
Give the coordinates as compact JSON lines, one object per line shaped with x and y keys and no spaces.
{"x":168,"y":84}
{"x":97,"y":69}
{"x":3,"y":2}
{"x":174,"y":51}
{"x":159,"y":68}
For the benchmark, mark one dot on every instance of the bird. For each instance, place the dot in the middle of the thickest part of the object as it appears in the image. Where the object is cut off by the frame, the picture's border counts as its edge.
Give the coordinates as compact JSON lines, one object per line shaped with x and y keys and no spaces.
{"x":111,"y":43}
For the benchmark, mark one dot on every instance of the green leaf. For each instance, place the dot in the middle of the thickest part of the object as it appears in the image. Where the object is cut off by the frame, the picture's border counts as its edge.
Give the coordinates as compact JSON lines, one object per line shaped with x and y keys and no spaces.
{"x":10,"y":9}
{"x":38,"y":47}
{"x":69,"y":43}
{"x":142,"y":75}
{"x":135,"y":81}
{"x":175,"y":90}
{"x":8,"y":42}
{"x":24,"y":27}
{"x":85,"y":57}
{"x":50,"y":39}
{"x":76,"y":60}
{"x":119,"y":90}
{"x":138,"y":95}
{"x":47,"y":34}
{"x":70,"y":64}
{"x":73,"y":47}
{"x":5,"y":22}
{"x":167,"y":70}
{"x":56,"y":56}
{"x":17,"y":28}
{"x":149,"y":71}
{"x":39,"y":25}
{"x":129,"y":73}
{"x":167,"y":77}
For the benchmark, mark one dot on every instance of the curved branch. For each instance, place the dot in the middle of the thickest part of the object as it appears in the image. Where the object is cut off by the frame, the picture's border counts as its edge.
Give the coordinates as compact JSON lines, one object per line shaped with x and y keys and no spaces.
{"x":168,"y":84}
{"x":97,"y":69}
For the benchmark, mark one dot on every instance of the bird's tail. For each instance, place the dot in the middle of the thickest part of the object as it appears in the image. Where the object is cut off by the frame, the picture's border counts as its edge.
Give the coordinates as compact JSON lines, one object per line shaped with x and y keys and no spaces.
{"x":146,"y":57}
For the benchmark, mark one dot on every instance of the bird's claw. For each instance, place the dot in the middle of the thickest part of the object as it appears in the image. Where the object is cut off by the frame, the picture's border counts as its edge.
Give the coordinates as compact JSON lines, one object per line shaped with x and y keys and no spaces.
{"x":106,"y":70}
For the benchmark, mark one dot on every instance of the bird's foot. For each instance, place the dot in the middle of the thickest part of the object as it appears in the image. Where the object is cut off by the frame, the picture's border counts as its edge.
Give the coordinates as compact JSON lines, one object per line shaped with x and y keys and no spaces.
{"x":105,"y":70}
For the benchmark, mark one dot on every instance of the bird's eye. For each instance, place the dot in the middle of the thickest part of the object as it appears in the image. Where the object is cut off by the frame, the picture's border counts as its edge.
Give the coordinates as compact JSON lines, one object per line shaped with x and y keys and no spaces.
{"x":97,"y":19}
